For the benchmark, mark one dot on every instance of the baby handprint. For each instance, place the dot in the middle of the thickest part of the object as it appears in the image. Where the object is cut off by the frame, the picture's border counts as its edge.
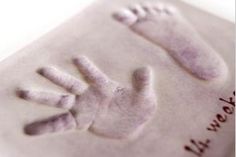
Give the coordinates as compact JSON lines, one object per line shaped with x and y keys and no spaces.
{"x":104,"y":107}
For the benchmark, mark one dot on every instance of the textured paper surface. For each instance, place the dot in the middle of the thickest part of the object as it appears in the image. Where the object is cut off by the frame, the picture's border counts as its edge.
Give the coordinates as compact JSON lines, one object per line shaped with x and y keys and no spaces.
{"x":186,"y":105}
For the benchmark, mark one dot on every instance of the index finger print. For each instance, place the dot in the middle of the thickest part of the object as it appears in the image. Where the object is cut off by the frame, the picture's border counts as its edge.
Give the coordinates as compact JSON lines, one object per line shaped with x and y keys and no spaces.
{"x":90,"y":71}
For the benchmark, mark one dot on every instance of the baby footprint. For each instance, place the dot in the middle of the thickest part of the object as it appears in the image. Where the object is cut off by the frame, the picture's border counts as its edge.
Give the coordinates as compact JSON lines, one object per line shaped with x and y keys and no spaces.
{"x":164,"y":25}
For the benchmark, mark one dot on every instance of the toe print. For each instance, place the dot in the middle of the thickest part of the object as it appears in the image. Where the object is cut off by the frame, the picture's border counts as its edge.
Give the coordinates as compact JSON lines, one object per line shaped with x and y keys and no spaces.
{"x":149,"y":8}
{"x":104,"y":107}
{"x":138,"y":11}
{"x":126,"y":16}
{"x":163,"y":25}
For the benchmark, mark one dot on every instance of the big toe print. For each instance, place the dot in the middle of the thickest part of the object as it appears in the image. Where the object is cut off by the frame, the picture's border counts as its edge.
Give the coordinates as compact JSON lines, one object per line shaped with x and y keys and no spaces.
{"x":104,"y":107}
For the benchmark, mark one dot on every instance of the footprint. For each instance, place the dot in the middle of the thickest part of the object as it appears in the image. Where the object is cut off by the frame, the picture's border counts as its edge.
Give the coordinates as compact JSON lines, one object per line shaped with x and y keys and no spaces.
{"x":164,"y":25}
{"x":104,"y":108}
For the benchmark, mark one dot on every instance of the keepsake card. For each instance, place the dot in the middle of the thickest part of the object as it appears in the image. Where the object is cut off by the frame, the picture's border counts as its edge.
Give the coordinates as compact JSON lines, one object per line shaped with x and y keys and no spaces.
{"x":123,"y":79}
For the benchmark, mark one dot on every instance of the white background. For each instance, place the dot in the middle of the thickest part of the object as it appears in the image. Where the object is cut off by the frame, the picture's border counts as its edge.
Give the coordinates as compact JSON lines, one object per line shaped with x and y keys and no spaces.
{"x":22,"y":21}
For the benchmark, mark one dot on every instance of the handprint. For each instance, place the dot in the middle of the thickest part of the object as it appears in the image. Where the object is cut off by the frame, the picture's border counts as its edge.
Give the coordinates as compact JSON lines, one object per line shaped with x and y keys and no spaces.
{"x":104,"y":107}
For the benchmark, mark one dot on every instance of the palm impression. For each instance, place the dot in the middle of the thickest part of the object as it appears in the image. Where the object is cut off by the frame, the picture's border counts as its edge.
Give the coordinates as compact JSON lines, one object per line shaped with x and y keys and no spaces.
{"x":104,"y":107}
